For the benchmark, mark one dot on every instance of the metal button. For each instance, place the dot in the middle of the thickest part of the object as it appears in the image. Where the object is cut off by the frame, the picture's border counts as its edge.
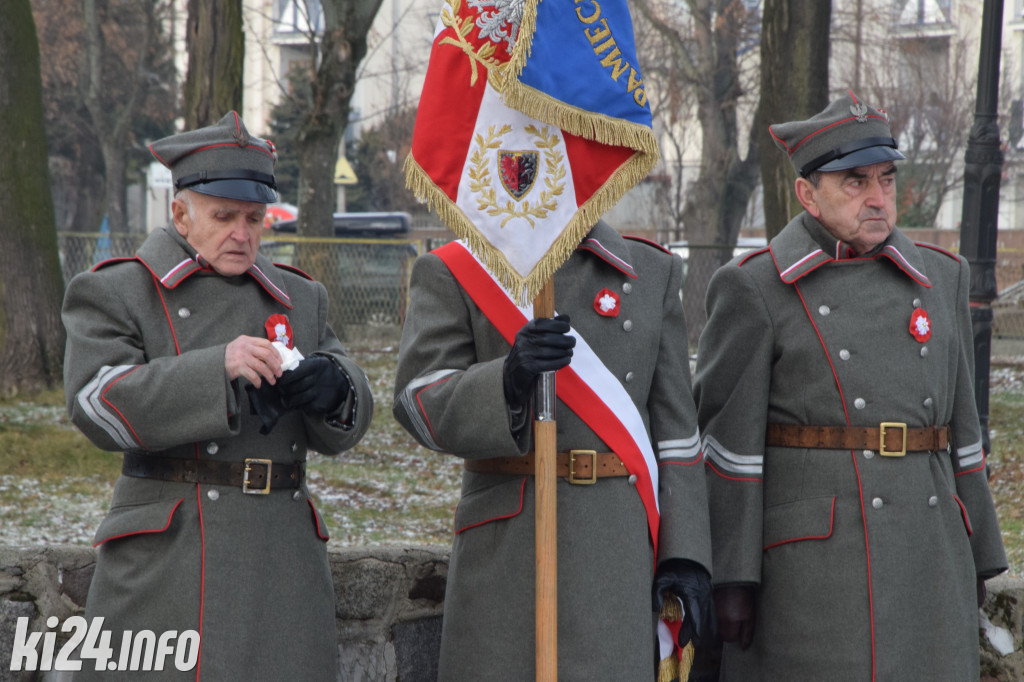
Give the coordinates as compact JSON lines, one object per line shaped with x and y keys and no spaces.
{"x":627,"y":288}
{"x":627,"y":325}
{"x":297,"y":496}
{"x":213,"y":494}
{"x":629,"y":376}
{"x":917,"y":303}
{"x":868,"y":454}
{"x":212,"y":448}
{"x":184,"y":312}
{"x":933,"y":501}
{"x":924,"y":351}
{"x":877,"y":503}
{"x":844,"y":354}
{"x":632,"y":479}
{"x":859,"y":403}
{"x":928,"y":402}
{"x":824,"y":310}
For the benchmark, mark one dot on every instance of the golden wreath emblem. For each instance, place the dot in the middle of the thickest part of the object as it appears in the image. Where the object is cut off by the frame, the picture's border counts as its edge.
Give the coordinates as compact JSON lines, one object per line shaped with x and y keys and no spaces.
{"x":486,"y":155}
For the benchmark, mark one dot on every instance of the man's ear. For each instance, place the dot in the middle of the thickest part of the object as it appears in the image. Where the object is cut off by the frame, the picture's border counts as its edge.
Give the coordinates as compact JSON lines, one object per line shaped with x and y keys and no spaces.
{"x":180,"y":216}
{"x":806,"y":194}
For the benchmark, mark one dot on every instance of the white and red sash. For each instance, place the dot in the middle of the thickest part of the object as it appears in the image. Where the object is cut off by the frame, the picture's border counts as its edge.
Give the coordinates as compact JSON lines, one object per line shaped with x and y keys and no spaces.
{"x":587,"y":387}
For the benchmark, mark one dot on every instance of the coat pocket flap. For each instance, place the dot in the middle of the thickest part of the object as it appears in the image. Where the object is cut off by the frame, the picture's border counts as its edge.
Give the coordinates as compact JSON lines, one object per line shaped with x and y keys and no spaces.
{"x":154,"y":517}
{"x":493,"y":503}
{"x":809,"y":519}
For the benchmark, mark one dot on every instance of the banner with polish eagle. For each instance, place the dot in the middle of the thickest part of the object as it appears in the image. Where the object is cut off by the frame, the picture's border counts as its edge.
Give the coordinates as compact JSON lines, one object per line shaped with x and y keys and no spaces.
{"x":532,"y":123}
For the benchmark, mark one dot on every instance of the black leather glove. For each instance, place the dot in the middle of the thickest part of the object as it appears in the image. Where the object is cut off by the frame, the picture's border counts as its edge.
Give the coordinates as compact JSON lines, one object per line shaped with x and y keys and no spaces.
{"x":734,"y":608}
{"x":542,"y":345}
{"x":691,"y":582}
{"x":315,"y":386}
{"x":265,"y":403}
{"x":982,"y":592}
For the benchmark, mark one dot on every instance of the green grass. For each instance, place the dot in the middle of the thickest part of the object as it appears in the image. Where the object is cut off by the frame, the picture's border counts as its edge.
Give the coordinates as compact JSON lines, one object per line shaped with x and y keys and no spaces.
{"x":1006,"y":429}
{"x":55,"y":486}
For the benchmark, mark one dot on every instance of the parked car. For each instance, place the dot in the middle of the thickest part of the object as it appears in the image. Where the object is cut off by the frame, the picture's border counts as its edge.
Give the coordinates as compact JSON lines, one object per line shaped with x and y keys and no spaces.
{"x":373,"y":259}
{"x":375,"y":225}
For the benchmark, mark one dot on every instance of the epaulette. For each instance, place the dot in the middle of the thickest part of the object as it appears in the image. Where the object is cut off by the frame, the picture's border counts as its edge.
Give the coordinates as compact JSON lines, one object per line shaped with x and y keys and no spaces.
{"x":644,"y":240}
{"x":292,"y":268}
{"x":112,"y":261}
{"x":939,"y":249}
{"x":750,"y":255}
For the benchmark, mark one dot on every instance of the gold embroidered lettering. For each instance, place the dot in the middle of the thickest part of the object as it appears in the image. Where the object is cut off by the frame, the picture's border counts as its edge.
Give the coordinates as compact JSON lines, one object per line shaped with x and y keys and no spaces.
{"x":598,"y":34}
{"x":617,"y":65}
{"x":590,"y":18}
{"x":633,"y":82}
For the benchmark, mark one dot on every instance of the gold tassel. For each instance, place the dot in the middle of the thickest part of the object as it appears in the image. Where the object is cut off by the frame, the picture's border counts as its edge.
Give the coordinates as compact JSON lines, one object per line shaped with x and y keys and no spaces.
{"x":671,"y":669}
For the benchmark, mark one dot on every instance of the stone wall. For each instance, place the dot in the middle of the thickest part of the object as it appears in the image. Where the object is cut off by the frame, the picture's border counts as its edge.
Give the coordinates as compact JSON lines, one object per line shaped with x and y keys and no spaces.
{"x":388,"y":603}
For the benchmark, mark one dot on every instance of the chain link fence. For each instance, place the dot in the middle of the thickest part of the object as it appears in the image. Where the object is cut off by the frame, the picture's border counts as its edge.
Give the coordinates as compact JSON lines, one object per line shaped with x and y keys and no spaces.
{"x":368,"y":279}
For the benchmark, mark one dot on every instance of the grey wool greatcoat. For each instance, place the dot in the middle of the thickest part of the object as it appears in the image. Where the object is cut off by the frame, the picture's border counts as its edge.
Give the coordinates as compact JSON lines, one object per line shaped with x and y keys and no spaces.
{"x":865,"y":564}
{"x":144,"y":372}
{"x":449,"y":395}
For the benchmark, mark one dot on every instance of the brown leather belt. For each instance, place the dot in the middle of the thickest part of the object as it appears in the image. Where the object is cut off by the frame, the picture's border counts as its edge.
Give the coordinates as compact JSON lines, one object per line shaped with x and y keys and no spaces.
{"x":254,"y":476}
{"x":581,"y":467}
{"x":891,"y":439}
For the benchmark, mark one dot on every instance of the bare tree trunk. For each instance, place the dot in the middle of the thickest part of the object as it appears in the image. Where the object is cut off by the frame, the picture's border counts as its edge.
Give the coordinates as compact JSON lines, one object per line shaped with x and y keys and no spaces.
{"x":718,"y":198}
{"x":333,"y":65}
{"x":111,"y":120}
{"x":216,"y":51}
{"x":794,"y":86}
{"x":31,"y":335}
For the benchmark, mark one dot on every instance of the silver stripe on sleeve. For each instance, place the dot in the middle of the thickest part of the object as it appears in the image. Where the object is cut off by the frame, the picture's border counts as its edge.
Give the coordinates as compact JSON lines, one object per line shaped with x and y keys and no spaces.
{"x":749,"y":465}
{"x":970,"y":455}
{"x":681,"y":448}
{"x":90,"y":398}
{"x":412,"y":408}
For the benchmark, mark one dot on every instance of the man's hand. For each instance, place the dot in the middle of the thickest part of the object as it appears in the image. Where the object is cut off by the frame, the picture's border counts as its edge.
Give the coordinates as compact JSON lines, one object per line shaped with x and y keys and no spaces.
{"x":265,"y":403}
{"x":316,"y":386}
{"x":690,"y":582}
{"x":734,"y":607}
{"x":254,"y":359}
{"x":542,"y":345}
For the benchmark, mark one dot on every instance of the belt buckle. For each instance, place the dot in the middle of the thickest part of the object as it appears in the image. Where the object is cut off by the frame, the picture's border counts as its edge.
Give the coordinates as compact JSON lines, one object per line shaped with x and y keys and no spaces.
{"x":882,"y":428}
{"x":575,"y":480}
{"x":265,"y":490}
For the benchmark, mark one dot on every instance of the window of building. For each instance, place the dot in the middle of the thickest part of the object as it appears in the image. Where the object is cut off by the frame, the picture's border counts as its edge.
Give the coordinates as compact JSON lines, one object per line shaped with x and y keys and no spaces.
{"x":909,"y":13}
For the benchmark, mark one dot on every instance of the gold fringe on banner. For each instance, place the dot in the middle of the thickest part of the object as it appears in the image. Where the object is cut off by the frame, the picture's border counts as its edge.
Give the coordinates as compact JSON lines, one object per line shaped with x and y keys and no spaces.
{"x":537,"y":105}
{"x":543,"y":107}
{"x":524,"y":288}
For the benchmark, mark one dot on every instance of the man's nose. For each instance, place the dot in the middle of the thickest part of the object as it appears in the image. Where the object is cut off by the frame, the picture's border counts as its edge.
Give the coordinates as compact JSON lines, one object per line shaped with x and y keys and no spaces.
{"x":876,"y":193}
{"x":239,"y":231}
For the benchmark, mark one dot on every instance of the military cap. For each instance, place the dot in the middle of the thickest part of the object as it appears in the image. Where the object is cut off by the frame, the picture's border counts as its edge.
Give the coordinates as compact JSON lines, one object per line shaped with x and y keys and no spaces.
{"x":847,"y":134}
{"x":222,"y":160}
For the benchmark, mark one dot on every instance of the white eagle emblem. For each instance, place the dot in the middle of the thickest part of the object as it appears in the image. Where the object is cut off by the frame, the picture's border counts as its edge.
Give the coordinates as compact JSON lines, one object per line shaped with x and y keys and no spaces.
{"x":499,"y":19}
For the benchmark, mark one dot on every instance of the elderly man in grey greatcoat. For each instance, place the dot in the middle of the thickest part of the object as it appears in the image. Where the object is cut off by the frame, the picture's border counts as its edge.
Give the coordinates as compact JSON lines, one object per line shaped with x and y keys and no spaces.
{"x":851,"y":517}
{"x":465,"y":370}
{"x":214,"y":371}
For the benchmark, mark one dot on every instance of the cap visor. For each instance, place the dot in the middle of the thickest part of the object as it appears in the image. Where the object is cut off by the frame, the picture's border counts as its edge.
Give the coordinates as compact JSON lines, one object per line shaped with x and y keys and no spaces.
{"x":862,"y":157}
{"x":242,"y":190}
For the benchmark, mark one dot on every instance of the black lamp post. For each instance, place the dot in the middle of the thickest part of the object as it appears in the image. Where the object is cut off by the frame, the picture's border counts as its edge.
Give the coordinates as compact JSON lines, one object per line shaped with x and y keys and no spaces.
{"x":978,"y":226}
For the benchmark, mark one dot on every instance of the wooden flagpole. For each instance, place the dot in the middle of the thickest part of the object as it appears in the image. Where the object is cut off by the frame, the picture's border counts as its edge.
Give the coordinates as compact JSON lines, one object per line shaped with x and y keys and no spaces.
{"x":545,"y":446}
